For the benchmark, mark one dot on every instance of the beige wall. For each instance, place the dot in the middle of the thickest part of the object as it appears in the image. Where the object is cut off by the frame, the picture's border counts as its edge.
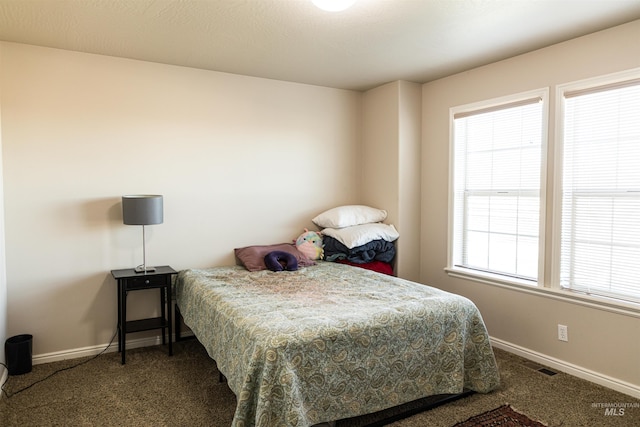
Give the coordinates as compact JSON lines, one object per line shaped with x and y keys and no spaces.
{"x":239,"y":160}
{"x":3,"y":276}
{"x":391,"y":128}
{"x":601,"y":343}
{"x":409,"y":168}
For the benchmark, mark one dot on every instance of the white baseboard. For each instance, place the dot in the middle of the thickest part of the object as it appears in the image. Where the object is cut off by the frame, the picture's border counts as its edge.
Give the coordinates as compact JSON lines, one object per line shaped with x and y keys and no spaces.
{"x":569,"y":368}
{"x":93,"y":350}
{"x":561,"y":365}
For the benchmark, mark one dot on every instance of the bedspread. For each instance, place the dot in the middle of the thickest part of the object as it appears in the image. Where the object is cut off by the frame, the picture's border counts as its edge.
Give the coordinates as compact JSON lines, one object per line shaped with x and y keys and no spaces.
{"x":331,"y":341}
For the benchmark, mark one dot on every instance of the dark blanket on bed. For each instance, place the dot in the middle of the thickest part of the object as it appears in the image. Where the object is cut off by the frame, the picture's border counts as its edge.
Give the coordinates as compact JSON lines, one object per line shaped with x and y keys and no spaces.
{"x":375,"y":250}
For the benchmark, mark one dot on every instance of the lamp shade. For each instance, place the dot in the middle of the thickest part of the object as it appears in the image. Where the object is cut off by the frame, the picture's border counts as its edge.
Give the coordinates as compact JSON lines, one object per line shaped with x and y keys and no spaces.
{"x":144,"y":209}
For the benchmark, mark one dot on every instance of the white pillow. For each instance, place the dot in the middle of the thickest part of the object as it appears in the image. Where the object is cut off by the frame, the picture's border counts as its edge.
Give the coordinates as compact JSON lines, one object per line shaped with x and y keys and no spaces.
{"x":359,"y":235}
{"x":347,"y":216}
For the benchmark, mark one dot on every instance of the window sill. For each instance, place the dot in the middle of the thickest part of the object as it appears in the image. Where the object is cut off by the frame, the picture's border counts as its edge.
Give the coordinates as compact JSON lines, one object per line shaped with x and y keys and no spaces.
{"x":600,"y":303}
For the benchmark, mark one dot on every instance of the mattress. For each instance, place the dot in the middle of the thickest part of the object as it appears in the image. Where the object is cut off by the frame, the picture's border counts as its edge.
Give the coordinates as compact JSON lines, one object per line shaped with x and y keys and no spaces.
{"x":332,"y":341}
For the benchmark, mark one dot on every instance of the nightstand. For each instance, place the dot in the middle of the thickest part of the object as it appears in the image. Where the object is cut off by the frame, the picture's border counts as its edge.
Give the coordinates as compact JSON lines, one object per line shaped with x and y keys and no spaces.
{"x":129,"y":280}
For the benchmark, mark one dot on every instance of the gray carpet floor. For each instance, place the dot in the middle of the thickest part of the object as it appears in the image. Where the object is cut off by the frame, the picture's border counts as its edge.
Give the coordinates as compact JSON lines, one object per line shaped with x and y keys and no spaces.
{"x":153,"y":389}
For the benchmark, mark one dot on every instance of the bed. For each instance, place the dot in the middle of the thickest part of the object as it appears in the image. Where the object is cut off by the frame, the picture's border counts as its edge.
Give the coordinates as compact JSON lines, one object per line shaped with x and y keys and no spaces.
{"x":332,"y":341}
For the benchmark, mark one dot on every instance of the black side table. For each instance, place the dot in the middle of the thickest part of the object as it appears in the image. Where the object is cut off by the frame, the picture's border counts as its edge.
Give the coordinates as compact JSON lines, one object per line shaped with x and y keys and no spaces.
{"x":129,"y":280}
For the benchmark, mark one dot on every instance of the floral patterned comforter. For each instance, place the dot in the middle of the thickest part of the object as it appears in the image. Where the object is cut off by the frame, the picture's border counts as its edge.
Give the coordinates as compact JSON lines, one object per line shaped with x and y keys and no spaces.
{"x":332,"y":341}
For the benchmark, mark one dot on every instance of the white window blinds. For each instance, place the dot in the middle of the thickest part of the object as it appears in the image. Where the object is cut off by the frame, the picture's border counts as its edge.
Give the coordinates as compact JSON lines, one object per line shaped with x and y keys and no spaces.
{"x":600,"y":224}
{"x":496,"y":188}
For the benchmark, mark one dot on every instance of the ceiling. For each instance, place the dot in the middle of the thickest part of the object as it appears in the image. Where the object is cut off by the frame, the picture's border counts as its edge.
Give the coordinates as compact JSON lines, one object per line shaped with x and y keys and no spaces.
{"x":373,"y":42}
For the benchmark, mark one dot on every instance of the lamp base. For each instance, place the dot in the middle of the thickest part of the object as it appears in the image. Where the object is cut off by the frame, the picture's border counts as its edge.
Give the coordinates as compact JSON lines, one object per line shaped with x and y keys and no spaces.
{"x":144,"y":269}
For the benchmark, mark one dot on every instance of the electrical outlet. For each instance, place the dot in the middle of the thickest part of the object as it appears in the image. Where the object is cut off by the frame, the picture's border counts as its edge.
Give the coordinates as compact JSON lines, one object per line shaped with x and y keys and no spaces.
{"x":563,"y":333}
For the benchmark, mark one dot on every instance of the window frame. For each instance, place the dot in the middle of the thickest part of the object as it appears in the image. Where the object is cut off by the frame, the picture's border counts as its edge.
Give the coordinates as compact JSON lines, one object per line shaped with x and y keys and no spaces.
{"x":476,"y":107}
{"x":589,"y":84}
{"x":548,"y":285}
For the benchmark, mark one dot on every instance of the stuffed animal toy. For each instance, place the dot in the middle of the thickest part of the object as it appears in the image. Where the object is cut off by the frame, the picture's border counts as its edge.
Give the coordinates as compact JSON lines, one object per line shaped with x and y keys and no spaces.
{"x":310,"y":244}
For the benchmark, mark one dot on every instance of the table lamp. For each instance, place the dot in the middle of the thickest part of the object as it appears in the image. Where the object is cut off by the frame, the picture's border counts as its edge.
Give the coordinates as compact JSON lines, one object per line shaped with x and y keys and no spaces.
{"x":144,"y":209}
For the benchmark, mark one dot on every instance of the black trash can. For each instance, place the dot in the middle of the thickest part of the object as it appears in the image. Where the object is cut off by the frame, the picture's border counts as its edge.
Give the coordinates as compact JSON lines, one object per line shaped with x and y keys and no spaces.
{"x":18,"y":352}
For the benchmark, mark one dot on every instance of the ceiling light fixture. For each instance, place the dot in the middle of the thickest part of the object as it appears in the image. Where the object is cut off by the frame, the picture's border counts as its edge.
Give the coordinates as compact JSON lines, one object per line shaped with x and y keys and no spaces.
{"x":334,"y":5}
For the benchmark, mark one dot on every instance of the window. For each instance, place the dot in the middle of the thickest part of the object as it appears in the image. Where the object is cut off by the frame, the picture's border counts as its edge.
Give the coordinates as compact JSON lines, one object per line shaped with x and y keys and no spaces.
{"x":497,"y":165}
{"x":600,"y":189}
{"x":498,"y":192}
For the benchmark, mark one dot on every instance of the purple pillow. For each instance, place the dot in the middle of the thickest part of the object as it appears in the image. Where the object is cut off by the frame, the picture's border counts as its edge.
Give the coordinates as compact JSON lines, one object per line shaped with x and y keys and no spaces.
{"x":280,"y":260}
